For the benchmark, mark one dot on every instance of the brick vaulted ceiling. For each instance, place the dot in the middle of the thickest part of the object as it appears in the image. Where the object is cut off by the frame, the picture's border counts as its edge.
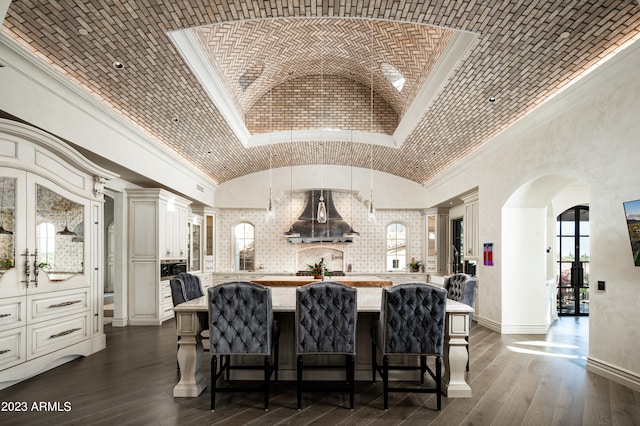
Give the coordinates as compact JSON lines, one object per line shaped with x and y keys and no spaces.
{"x":297,"y":65}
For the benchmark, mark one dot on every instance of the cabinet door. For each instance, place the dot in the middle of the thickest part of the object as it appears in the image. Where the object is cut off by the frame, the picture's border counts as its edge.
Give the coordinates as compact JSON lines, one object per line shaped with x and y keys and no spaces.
{"x":13,"y":219}
{"x":57,"y":229}
{"x":42,"y":236}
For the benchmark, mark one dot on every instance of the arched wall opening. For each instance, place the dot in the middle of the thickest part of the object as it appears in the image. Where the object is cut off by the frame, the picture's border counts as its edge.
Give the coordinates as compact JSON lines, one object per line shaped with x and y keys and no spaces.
{"x":528,"y":251}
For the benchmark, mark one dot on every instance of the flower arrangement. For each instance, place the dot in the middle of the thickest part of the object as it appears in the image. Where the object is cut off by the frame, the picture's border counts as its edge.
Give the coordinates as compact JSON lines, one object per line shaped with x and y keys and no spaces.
{"x":415,"y":265}
{"x":319,"y":269}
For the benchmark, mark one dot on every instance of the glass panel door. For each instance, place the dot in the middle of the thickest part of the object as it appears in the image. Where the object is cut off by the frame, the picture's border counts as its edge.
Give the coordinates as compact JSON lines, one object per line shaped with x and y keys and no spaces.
{"x":573,"y":261}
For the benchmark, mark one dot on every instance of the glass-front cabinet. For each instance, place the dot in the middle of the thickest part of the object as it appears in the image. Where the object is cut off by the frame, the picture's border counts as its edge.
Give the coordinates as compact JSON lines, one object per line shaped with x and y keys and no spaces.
{"x":42,"y":229}
{"x":51,"y":214}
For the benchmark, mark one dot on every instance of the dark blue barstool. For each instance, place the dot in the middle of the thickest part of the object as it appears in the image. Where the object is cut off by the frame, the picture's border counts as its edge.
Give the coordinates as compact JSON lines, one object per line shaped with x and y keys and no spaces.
{"x":326,"y":316}
{"x":412,"y":322}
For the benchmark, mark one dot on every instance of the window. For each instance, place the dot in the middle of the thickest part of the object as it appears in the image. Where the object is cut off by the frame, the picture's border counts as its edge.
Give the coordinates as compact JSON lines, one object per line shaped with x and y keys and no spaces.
{"x":396,"y":247}
{"x":393,"y":76}
{"x":243,"y":247}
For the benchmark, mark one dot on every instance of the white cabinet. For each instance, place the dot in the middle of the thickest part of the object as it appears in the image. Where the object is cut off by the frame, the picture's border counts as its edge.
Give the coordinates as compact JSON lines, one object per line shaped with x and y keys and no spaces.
{"x":157,"y":231}
{"x":436,"y":237}
{"x":173,"y":228}
{"x":50,"y":253}
{"x":471,"y":228}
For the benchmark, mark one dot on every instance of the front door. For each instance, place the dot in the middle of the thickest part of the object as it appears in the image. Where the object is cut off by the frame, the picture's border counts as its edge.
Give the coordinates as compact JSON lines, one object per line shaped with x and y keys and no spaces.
{"x":573,"y":261}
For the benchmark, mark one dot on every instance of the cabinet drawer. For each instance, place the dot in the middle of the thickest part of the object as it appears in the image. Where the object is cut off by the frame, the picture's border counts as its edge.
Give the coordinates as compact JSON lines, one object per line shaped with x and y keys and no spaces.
{"x":12,"y":347}
{"x":53,"y":335}
{"x":12,"y":312}
{"x":44,"y":306}
{"x":165,"y":288}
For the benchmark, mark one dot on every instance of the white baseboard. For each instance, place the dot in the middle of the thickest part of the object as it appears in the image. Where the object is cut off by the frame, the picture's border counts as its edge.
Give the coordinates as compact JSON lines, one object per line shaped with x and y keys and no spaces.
{"x":613,"y":373}
{"x":490,"y":324}
{"x":512,"y":328}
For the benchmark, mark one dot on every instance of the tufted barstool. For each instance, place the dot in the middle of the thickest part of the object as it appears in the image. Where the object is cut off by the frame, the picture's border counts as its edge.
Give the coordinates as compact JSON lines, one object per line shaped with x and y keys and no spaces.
{"x":412,"y":322}
{"x":326,"y":314}
{"x":241,"y":323}
{"x":185,"y":287}
{"x":462,"y":288}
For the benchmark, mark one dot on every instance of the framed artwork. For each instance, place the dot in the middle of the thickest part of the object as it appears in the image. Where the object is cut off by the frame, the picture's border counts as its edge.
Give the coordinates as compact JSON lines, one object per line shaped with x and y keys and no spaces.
{"x":488,"y":254}
{"x":632,"y":212}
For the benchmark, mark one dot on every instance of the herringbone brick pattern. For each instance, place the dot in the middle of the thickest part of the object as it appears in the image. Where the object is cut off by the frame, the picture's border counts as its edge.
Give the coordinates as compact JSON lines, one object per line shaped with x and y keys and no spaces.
{"x":526,"y":51}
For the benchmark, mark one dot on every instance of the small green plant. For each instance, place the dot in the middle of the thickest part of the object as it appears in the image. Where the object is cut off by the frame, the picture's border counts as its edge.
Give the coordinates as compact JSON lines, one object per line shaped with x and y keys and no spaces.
{"x":44,"y":265}
{"x":319,"y":269}
{"x":415,"y":265}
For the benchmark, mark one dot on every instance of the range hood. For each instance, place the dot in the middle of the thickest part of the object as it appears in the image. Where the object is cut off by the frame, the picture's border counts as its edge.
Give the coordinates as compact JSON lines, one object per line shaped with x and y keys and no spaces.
{"x":313,"y":232}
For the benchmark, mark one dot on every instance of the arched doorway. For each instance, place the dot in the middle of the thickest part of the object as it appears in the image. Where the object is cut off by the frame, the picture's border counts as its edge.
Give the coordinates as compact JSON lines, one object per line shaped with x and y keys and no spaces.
{"x":529,"y":256}
{"x":572,"y":258}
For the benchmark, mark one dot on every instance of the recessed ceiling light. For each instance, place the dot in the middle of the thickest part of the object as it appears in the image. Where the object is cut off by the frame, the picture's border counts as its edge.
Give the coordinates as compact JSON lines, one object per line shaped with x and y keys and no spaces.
{"x":491,"y":99}
{"x":118,"y":65}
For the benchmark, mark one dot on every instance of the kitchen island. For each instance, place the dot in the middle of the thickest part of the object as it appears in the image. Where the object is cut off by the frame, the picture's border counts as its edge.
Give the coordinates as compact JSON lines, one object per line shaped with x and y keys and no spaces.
{"x":190,"y":354}
{"x":295,"y":281}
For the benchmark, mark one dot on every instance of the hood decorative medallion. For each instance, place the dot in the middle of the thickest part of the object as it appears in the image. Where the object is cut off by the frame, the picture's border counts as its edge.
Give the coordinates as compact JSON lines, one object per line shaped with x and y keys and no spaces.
{"x":311,"y":231}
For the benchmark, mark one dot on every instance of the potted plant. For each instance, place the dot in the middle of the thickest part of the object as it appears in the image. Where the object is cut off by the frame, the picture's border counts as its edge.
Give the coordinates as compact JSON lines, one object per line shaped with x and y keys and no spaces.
{"x":415,"y":265}
{"x":319,"y":269}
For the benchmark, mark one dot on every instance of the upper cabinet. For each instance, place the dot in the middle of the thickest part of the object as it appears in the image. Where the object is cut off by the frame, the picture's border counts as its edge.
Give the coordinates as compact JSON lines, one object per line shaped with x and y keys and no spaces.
{"x":51,"y":210}
{"x":471,"y":228}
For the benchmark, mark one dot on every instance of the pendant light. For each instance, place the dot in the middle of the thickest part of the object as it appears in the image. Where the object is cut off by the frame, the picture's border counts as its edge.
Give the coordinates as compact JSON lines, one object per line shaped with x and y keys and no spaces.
{"x":2,"y":230}
{"x":322,"y":208}
{"x":270,"y":212}
{"x":291,"y":233}
{"x":372,"y":210}
{"x":351,"y":233}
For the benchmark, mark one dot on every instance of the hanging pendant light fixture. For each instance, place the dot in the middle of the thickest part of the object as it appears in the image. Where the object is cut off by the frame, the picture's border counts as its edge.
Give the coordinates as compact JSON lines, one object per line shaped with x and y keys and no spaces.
{"x":322,"y":208}
{"x":270,"y":212}
{"x":291,"y":233}
{"x":2,"y":230}
{"x":372,"y":210}
{"x":351,"y":233}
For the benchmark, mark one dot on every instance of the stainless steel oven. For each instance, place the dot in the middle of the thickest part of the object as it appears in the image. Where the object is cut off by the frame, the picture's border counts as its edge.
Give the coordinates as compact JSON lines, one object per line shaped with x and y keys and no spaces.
{"x":170,"y":268}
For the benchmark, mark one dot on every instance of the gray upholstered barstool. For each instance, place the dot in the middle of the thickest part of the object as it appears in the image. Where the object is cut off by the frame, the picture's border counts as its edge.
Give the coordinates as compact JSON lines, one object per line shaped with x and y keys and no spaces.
{"x":412,"y":322}
{"x":185,"y":287}
{"x":326,"y":316}
{"x":241,"y":323}
{"x":462,"y":288}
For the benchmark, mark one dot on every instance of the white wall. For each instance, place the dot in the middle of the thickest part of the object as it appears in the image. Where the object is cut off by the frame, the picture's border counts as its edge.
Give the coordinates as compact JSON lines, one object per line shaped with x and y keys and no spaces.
{"x":251,"y":191}
{"x":589,"y":134}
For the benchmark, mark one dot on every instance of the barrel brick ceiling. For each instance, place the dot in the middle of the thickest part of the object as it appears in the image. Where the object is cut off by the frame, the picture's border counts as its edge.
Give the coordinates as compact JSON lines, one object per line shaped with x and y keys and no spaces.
{"x":330,"y":54}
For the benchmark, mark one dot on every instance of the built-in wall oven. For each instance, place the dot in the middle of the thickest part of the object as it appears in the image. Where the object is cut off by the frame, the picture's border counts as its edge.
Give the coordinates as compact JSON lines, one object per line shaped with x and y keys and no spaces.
{"x":170,"y":268}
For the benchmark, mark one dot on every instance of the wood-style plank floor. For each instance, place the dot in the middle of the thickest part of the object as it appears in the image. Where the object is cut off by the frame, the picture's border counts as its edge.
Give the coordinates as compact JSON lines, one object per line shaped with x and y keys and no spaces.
{"x":516,"y":380}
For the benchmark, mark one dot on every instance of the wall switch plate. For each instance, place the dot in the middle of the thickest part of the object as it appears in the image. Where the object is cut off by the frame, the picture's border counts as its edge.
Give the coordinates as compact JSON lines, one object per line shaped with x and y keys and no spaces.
{"x":600,"y":285}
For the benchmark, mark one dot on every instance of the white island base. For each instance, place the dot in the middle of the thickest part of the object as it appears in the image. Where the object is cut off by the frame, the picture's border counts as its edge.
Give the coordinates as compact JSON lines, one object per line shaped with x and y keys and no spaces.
{"x":190,"y":353}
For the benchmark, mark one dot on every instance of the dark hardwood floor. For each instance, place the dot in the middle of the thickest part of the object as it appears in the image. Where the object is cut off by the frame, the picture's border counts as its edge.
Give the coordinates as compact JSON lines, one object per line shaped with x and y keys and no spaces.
{"x":516,"y":380}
